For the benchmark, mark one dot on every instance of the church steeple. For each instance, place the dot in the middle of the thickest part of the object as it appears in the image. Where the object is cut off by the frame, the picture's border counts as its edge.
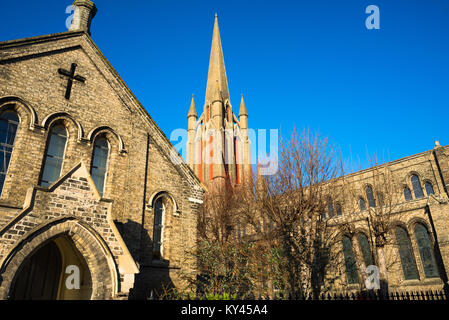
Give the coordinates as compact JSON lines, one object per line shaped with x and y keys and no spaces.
{"x":218,"y":145}
{"x":217,"y":72}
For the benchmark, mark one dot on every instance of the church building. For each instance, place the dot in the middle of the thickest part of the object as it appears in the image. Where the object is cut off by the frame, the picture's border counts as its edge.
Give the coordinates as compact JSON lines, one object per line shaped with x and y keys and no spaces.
{"x":94,"y":204}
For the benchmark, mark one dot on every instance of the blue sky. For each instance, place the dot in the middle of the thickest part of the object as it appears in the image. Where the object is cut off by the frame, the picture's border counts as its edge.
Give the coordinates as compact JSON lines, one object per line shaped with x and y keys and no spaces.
{"x":298,"y":63}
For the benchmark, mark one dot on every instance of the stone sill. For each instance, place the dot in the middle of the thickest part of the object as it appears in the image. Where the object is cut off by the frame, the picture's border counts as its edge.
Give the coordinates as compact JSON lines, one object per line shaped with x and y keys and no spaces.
{"x":423,"y":282}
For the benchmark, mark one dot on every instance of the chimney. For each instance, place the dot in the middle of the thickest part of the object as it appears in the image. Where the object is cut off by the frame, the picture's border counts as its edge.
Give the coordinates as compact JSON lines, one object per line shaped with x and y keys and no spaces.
{"x":85,"y":11}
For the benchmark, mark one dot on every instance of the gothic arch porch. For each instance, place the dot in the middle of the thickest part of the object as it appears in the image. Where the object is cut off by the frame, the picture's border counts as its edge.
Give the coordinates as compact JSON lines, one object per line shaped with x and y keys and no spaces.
{"x":50,"y":250}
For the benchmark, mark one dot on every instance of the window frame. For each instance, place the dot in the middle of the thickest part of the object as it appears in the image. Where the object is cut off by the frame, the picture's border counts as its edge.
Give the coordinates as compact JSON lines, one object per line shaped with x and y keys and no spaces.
{"x":362,"y":200}
{"x":352,"y":273}
{"x":62,"y":159}
{"x":106,"y":168}
{"x":429,"y":183}
{"x":5,"y":145}
{"x":410,"y":252}
{"x":159,"y":255}
{"x":420,"y":248}
{"x":409,"y":194}
{"x":370,"y":196}
{"x":416,"y":186}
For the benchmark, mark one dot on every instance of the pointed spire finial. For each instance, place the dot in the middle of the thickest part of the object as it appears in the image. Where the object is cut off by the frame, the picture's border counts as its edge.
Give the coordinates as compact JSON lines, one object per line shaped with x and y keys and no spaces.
{"x":243,"y":111}
{"x":192,"y":110}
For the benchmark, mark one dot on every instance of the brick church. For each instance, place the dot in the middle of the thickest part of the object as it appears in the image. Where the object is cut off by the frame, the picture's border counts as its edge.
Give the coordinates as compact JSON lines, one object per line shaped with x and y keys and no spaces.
{"x":87,"y":178}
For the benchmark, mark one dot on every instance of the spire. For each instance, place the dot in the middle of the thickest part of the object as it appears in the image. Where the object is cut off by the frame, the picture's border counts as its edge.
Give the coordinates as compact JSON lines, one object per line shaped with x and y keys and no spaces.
{"x":217,"y":70}
{"x":192,"y":110}
{"x":243,"y":111}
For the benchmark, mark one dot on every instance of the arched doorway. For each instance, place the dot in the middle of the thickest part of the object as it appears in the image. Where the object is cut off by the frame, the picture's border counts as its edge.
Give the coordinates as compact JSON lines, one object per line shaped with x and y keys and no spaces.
{"x":44,"y":274}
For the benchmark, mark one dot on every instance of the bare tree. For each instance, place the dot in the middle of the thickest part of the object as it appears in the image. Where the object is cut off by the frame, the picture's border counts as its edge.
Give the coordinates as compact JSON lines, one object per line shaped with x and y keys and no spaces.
{"x":296,"y":204}
{"x":227,"y":264}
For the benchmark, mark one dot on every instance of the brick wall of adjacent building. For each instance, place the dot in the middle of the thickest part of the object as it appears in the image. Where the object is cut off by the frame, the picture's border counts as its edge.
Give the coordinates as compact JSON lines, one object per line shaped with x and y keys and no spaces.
{"x":139,"y":162}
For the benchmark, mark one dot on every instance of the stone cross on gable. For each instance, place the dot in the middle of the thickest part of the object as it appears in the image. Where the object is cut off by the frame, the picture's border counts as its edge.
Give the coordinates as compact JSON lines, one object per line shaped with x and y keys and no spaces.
{"x":71,"y":76}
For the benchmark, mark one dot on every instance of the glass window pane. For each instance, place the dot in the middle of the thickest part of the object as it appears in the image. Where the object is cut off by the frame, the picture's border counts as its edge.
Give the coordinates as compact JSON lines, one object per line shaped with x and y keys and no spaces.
{"x":350,"y":262}
{"x":338,"y":209}
{"x":52,"y":171}
{"x":2,"y":180}
{"x":56,"y":146}
{"x":3,"y":130}
{"x":157,"y":231}
{"x":3,"y":167}
{"x":11,"y":135}
{"x":406,"y":253}
{"x":9,"y":122}
{"x":362,"y":204}
{"x":370,"y":196}
{"x":366,"y":249}
{"x":407,"y":194}
{"x":417,"y":187}
{"x":330,"y":208}
{"x":99,"y":163}
{"x":98,"y":177}
{"x":426,"y":251}
{"x":54,"y":156}
{"x":429,"y":188}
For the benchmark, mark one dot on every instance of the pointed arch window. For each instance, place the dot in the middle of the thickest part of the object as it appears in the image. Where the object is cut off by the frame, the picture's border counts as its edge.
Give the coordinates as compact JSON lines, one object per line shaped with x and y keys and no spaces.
{"x":159,"y":212}
{"x":370,"y":197}
{"x":365,"y":248}
{"x":330,"y":207}
{"x":338,"y":209}
{"x":406,"y":253}
{"x":54,"y":155}
{"x":9,"y":123}
{"x":426,"y":251}
{"x":99,"y":166}
{"x":416,"y":184}
{"x":407,"y":194}
{"x":362,"y":204}
{"x":429,"y":188}
{"x":350,"y":262}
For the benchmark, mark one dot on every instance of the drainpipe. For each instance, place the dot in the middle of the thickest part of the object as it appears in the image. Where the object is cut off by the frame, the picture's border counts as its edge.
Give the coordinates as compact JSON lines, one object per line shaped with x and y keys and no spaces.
{"x":439,"y":171}
{"x":437,"y":251}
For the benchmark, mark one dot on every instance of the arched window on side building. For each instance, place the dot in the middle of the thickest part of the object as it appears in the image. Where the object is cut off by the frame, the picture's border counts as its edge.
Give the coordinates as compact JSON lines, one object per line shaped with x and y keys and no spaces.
{"x":416,"y":184}
{"x":9,"y":124}
{"x":408,"y":261}
{"x":350,"y":261}
{"x":426,"y":251}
